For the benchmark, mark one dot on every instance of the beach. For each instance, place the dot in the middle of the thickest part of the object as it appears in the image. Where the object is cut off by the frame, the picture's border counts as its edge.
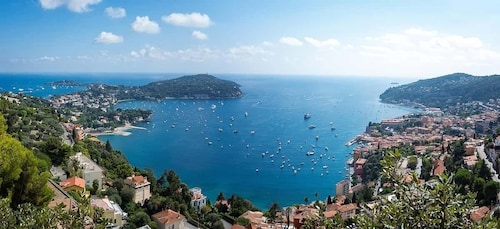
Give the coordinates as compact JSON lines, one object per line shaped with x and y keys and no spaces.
{"x":122,"y":130}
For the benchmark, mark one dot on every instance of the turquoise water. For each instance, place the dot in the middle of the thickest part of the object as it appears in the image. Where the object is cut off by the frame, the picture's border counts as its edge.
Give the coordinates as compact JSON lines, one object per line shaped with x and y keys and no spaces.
{"x":271,"y":164}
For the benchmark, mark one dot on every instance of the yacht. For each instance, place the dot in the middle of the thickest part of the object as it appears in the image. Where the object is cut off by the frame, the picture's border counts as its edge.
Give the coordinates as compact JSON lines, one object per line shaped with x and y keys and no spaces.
{"x":310,"y":153}
{"x":307,"y":116}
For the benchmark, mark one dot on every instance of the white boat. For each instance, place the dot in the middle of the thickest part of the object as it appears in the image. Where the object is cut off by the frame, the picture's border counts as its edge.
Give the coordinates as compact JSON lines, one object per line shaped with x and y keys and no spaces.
{"x":213,"y":106}
{"x":310,"y":153}
{"x":220,"y":130}
{"x":256,"y":170}
{"x":307,"y":116}
{"x":246,"y":114}
{"x":311,"y":126}
{"x":325,"y":166}
{"x":252,"y":132}
{"x":326,"y":148}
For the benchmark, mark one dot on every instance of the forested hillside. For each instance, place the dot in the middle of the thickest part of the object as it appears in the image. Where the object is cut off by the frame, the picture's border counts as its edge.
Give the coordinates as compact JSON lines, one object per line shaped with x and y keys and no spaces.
{"x":445,"y":90}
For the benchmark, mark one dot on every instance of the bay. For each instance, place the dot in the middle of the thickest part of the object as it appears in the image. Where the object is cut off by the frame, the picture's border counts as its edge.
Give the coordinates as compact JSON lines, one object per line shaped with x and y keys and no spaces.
{"x":265,"y":161}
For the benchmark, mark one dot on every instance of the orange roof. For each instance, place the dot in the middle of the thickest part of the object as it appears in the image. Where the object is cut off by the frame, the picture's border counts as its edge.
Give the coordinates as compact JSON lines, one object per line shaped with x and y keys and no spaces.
{"x":237,"y":226}
{"x":330,"y":214}
{"x":138,"y":179}
{"x":439,"y":167}
{"x":73,"y":181}
{"x":168,"y":216}
{"x":479,"y":214}
{"x":347,"y":207}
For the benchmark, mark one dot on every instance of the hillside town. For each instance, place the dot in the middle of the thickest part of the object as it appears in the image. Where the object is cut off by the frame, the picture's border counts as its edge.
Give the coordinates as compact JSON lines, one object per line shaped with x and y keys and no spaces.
{"x":428,"y":134}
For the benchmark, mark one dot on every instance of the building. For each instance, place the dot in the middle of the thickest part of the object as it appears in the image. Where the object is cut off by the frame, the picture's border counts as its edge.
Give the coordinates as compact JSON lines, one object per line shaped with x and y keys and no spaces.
{"x":342,"y":188}
{"x":58,"y":172}
{"x":90,"y":170}
{"x":347,"y":211}
{"x":111,"y":211}
{"x":61,"y":197}
{"x":141,"y":187}
{"x":198,"y":200}
{"x":76,"y":184}
{"x":169,"y":219}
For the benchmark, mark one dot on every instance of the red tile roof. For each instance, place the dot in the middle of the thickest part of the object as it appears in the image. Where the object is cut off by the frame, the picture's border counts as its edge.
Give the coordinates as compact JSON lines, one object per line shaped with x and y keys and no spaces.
{"x":73,"y":181}
{"x":168,"y":216}
{"x":479,"y":213}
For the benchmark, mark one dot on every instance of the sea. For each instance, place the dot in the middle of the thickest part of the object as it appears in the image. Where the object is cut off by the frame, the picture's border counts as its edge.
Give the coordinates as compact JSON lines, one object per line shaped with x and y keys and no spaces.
{"x":255,"y":146}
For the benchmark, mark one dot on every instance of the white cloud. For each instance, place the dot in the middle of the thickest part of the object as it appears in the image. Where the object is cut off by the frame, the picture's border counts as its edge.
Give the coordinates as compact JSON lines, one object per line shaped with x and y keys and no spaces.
{"x":108,"y":38}
{"x":150,"y":52}
{"x":188,"y":20}
{"x":267,"y":43}
{"x":199,"y":35}
{"x":292,"y":41}
{"x":78,"y":6}
{"x":144,"y":25}
{"x":249,"y":50}
{"x":47,"y":58}
{"x":427,"y":52}
{"x":319,"y":44}
{"x":115,"y":12}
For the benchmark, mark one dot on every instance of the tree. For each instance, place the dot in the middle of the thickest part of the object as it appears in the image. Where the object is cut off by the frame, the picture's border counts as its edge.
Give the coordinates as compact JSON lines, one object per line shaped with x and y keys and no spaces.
{"x":412,"y":162}
{"x":55,"y":149}
{"x":417,"y":205}
{"x":273,"y":210}
{"x":463,"y":178}
{"x":490,"y":191}
{"x":108,"y":146}
{"x":21,"y":180}
{"x":306,"y":200}
{"x":220,"y":197}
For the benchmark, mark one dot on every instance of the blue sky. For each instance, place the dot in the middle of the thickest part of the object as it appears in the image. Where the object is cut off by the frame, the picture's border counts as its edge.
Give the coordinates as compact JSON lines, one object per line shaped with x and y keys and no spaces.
{"x":321,"y":37}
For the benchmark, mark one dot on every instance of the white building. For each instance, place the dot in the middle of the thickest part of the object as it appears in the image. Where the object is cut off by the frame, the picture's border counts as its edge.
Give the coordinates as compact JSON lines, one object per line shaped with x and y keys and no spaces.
{"x":198,"y":200}
{"x":90,"y":170}
{"x":141,"y":187}
{"x":111,"y":211}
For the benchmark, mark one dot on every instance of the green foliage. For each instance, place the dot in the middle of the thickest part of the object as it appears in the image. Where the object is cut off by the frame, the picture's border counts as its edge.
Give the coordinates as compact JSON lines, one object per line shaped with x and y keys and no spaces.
{"x":372,"y":167}
{"x":419,"y":206}
{"x":242,"y":221}
{"x":56,"y":150}
{"x":20,"y":178}
{"x":412,"y":162}
{"x":115,"y":163}
{"x":446,"y":90}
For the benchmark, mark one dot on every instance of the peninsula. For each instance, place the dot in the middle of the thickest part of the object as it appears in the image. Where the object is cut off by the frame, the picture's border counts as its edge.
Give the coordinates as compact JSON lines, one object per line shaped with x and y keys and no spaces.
{"x":445,"y":91}
{"x":94,"y":108}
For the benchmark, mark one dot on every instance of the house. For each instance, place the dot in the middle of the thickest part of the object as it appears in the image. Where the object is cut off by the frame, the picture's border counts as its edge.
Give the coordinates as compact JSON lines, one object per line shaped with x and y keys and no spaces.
{"x":302,"y":214}
{"x":141,"y":187}
{"x":61,"y":197}
{"x":347,"y":211}
{"x":90,"y":170}
{"x":256,"y":218}
{"x":111,"y":211}
{"x":75,"y":183}
{"x":479,"y":213}
{"x":198,"y":200}
{"x":169,"y":219}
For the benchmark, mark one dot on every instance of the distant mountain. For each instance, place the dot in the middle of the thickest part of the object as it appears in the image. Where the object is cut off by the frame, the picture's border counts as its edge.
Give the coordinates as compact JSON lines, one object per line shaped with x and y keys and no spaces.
{"x":202,"y":86}
{"x":445,"y":90}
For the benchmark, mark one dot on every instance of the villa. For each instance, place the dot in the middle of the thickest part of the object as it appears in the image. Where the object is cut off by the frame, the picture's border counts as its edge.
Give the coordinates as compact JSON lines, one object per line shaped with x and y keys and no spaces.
{"x":141,"y":187}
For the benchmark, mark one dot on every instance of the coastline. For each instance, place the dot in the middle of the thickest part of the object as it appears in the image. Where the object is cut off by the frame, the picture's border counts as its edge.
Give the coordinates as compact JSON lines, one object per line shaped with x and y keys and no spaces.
{"x":122,"y":130}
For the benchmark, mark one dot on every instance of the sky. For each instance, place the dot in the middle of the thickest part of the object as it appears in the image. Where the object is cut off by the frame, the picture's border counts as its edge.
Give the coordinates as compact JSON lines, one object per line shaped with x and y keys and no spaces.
{"x":417,"y":38}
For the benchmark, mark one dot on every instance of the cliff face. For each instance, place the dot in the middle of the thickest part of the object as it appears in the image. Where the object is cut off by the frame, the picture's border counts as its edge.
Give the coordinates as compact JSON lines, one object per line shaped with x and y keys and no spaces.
{"x":445,"y":90}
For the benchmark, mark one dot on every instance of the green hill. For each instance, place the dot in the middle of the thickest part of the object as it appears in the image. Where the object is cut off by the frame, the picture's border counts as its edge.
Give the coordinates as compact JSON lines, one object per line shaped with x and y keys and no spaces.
{"x":445,"y":90}
{"x":201,"y":86}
